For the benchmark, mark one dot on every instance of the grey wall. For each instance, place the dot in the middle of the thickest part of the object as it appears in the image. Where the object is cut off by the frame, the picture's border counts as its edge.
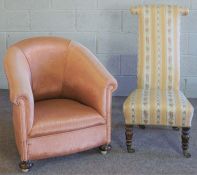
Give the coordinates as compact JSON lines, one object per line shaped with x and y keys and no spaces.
{"x":104,"y":26}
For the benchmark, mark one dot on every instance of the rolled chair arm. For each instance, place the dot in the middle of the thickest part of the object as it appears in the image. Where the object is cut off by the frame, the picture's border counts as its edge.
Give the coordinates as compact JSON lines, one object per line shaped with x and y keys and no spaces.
{"x":134,"y":10}
{"x":19,"y":77}
{"x":184,"y":11}
{"x":86,"y":79}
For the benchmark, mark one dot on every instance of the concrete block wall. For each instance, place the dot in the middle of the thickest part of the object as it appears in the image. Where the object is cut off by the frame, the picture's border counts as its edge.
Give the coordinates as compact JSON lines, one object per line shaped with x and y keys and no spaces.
{"x":106,"y":27}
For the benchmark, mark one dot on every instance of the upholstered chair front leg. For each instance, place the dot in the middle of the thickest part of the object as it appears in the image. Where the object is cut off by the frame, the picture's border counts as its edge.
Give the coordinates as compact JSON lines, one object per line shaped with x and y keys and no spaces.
{"x":129,"y":137}
{"x":185,"y":141}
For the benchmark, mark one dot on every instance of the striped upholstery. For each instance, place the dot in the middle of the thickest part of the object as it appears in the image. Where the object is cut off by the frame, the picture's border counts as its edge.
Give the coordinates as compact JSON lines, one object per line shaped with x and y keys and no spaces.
{"x":158,"y":107}
{"x":157,"y":100}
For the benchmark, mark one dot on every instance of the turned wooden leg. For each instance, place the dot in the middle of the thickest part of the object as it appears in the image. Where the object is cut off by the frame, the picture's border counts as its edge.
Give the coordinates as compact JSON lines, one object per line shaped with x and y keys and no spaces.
{"x":185,"y":142}
{"x":25,"y":166}
{"x":142,"y":126}
{"x":104,"y":149}
{"x":175,"y":128}
{"x":129,"y":136}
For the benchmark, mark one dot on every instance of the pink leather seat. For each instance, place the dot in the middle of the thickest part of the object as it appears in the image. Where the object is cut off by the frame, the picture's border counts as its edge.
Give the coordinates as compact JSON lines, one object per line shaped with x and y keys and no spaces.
{"x":61,"y":96}
{"x":62,"y":115}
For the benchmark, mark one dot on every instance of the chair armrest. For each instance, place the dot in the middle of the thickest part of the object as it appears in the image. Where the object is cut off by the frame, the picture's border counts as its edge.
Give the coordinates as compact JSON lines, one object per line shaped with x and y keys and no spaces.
{"x":19,"y":77}
{"x":86,"y":79}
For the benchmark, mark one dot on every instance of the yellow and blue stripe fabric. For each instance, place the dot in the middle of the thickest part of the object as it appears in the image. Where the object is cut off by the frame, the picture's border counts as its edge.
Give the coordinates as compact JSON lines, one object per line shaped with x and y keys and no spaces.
{"x":157,"y":99}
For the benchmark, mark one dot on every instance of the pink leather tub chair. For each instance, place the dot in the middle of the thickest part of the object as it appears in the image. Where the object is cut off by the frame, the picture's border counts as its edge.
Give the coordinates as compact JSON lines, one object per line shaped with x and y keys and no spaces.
{"x":61,"y":98}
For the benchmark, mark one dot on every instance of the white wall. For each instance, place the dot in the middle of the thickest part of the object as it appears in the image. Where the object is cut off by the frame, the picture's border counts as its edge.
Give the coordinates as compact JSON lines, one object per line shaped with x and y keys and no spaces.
{"x":104,"y":26}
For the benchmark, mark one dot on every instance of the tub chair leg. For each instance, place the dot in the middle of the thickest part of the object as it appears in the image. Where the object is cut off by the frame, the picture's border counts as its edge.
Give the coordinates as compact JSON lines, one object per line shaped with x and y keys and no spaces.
{"x":104,"y":149}
{"x":25,"y":166}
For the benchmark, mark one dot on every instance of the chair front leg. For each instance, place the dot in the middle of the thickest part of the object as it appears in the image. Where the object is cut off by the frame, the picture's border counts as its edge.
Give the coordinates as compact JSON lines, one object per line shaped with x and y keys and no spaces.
{"x":185,"y":141}
{"x":129,"y":137}
{"x":104,"y":149}
{"x":25,"y":166}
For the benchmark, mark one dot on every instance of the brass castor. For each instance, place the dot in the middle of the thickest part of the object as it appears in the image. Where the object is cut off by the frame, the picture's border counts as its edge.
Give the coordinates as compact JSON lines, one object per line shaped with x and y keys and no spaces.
{"x":142,"y":126}
{"x":175,"y":128}
{"x":104,"y":149}
{"x":185,"y":142}
{"x":129,"y":137}
{"x":25,"y":166}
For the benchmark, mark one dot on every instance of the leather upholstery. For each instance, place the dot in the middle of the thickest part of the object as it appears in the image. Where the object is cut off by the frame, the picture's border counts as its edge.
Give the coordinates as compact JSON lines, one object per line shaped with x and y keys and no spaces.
{"x":158,"y":100}
{"x":66,"y":115}
{"x":67,"y":142}
{"x":58,"y":89}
